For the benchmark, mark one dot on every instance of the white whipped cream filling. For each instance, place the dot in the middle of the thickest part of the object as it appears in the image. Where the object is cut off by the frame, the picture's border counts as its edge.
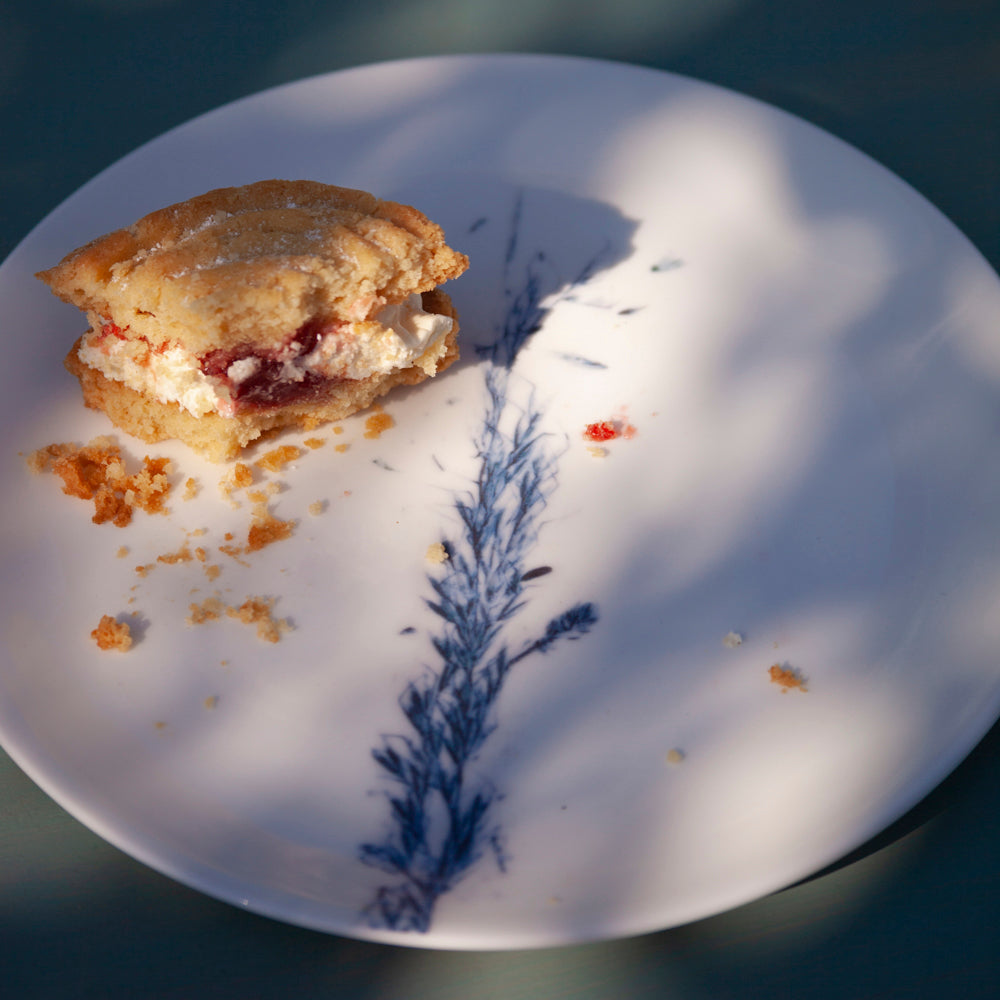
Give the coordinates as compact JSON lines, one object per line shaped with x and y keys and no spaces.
{"x":175,"y":376}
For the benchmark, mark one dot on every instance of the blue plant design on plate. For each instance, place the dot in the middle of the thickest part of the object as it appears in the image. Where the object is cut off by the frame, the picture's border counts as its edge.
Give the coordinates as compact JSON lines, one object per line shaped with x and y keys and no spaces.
{"x":441,"y":822}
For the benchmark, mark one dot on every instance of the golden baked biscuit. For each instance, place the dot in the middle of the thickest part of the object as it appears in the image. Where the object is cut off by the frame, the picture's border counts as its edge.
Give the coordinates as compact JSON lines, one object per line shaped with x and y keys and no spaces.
{"x":247,"y":309}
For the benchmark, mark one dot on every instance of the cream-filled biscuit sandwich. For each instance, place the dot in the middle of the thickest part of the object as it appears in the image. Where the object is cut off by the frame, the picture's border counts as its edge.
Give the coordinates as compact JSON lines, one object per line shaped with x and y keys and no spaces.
{"x":248,"y":309}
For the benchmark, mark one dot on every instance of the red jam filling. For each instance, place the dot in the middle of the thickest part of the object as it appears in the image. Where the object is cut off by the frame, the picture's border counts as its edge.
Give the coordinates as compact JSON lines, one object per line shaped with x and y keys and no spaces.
{"x":269,"y":384}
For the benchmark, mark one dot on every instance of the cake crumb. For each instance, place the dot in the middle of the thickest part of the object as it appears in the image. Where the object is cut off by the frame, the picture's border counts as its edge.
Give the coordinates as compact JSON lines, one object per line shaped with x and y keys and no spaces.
{"x":317,"y":507}
{"x":259,"y":497}
{"x":786,"y":678}
{"x":122,"y":552}
{"x":675,"y":757}
{"x":211,"y":701}
{"x":145,"y":569}
{"x":234,"y":552}
{"x":276,"y":459}
{"x":314,"y":443}
{"x":257,"y":611}
{"x":436,"y":553}
{"x":96,"y":472}
{"x":338,"y":430}
{"x":341,"y":448}
{"x":212,"y":571}
{"x":596,"y":451}
{"x":112,"y":634}
{"x":732,"y":639}
{"x":266,"y":529}
{"x":182,"y":555}
{"x":253,"y":611}
{"x":210,"y":610}
{"x":239,"y":477}
{"x":190,"y":488}
{"x":377,"y":423}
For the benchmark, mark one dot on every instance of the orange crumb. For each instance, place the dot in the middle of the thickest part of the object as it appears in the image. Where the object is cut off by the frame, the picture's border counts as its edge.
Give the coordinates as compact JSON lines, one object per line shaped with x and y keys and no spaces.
{"x":234,"y":552}
{"x":341,"y":448}
{"x":111,"y":634}
{"x":257,"y":611}
{"x":377,"y":423}
{"x":96,"y":472}
{"x":190,"y":489}
{"x":145,"y":570}
{"x":122,"y":552}
{"x":238,"y":478}
{"x":200,"y":554}
{"x":314,"y":443}
{"x":317,"y":507}
{"x":211,"y":701}
{"x":182,"y":555}
{"x":266,"y":529}
{"x":212,"y":571}
{"x":338,"y":429}
{"x":278,"y":458}
{"x":210,"y":610}
{"x":786,"y":678}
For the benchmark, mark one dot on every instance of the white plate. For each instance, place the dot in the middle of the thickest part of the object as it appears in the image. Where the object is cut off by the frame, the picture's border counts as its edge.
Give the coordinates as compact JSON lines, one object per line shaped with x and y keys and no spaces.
{"x":807,"y":351}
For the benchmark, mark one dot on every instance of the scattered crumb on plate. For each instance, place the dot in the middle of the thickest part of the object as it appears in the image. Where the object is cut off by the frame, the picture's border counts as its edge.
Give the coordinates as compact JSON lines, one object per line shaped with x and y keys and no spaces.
{"x":675,"y":757}
{"x":786,"y":677}
{"x":210,"y":610}
{"x":377,"y":423}
{"x":253,"y":611}
{"x":112,"y":634}
{"x":182,"y":555}
{"x":266,"y":529}
{"x":257,"y":611}
{"x":97,"y":472}
{"x":276,"y":459}
{"x":732,"y":640}
{"x":239,"y":477}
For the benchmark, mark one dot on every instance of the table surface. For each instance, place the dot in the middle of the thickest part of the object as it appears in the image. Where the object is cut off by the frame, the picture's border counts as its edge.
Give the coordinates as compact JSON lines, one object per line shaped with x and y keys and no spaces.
{"x":913,"y":83}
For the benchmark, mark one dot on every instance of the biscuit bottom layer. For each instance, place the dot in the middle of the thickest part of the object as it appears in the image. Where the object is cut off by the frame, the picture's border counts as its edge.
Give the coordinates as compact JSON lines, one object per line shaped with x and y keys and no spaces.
{"x":304,"y":402}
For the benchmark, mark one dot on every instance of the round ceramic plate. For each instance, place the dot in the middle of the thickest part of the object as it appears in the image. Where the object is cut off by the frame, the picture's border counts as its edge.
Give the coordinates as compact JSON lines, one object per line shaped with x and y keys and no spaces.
{"x":680,"y":585}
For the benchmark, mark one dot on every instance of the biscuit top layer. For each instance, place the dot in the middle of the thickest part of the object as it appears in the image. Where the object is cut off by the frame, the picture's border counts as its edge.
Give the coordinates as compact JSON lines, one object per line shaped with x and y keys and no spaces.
{"x":253,"y":264}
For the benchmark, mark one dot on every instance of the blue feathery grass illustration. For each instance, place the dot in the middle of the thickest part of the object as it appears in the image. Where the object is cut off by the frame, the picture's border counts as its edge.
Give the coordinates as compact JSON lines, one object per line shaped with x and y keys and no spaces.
{"x":440,"y":811}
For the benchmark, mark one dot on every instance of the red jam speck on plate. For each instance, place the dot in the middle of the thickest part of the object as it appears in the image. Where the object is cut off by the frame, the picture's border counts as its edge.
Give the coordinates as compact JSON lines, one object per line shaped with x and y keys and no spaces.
{"x":603,"y":430}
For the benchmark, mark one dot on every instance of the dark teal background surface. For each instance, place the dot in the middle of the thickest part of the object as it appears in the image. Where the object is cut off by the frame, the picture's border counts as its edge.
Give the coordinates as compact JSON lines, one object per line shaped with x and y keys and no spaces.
{"x":916,"y":85}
